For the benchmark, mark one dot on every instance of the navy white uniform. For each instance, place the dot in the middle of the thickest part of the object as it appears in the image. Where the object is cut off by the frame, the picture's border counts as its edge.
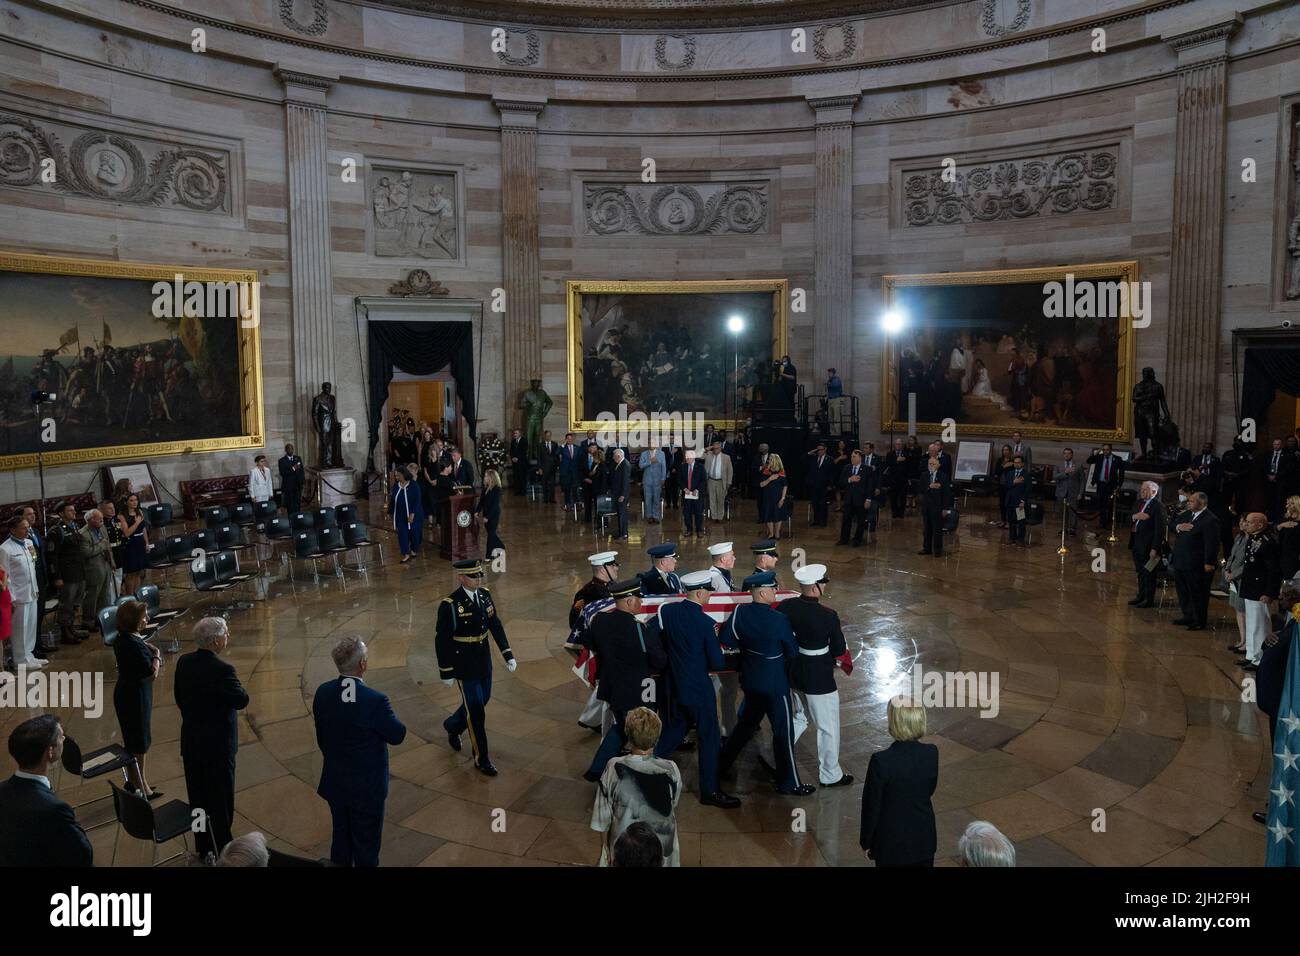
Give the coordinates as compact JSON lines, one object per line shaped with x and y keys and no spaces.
{"x":465,"y":619}
{"x":767,"y":645}
{"x":720,"y":578}
{"x":812,"y":678}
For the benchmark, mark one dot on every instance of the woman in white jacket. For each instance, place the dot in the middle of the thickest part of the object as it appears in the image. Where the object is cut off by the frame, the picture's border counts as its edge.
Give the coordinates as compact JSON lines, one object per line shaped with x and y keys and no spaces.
{"x":259,"y":481}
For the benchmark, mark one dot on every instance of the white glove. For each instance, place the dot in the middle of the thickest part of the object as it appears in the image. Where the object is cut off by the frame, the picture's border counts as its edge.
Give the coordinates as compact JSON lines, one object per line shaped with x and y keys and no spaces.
{"x":448,"y":681}
{"x":511,"y":665}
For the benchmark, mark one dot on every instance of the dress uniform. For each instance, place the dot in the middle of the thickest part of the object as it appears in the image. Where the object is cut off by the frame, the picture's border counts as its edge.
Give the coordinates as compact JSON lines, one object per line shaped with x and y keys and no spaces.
{"x":765,"y":548}
{"x":726,"y":684}
{"x":767,"y":646}
{"x":720,"y":578}
{"x":812,"y":676}
{"x":690,"y":642}
{"x":627,"y":654}
{"x":604,"y":565}
{"x":657,"y":581}
{"x":408,"y":517}
{"x":465,"y":618}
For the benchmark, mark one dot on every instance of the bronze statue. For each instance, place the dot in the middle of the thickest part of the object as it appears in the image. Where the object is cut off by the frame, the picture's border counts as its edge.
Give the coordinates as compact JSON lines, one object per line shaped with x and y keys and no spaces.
{"x":1151,"y":418}
{"x":535,"y":403}
{"x":324,"y":416}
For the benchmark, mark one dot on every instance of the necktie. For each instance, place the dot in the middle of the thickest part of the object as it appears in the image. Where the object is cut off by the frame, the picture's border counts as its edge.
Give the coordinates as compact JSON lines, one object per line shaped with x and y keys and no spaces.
{"x":855,"y":470}
{"x":1276,"y":456}
{"x":690,"y":474}
{"x":1105,"y":469}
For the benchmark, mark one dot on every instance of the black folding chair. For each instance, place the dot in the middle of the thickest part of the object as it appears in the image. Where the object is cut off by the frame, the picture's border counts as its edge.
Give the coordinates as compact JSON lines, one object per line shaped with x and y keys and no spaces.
{"x":302,"y":521}
{"x":94,"y":764}
{"x":158,"y":516}
{"x":214,"y":515}
{"x":344,"y":513}
{"x":355,"y":537}
{"x":140,"y":819}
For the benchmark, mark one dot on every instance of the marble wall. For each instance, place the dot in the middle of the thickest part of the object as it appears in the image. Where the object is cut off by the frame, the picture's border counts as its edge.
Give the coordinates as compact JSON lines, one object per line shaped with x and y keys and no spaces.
{"x":516,"y":138}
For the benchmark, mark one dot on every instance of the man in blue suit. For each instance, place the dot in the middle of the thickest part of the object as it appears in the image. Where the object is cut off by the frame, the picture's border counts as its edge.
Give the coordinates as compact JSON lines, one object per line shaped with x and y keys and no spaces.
{"x":36,"y":827}
{"x":690,"y":640}
{"x":1016,"y":479}
{"x":570,"y":458}
{"x":354,"y":727}
{"x":767,"y":646}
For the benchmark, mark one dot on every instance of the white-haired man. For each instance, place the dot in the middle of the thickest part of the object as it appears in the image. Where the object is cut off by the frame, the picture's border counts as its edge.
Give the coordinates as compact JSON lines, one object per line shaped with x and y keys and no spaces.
{"x":208,"y":694}
{"x":620,"y":489}
{"x":983,"y":844}
{"x":96,"y":553}
{"x":1146,"y":539}
{"x":355,"y":726}
{"x":247,"y":850}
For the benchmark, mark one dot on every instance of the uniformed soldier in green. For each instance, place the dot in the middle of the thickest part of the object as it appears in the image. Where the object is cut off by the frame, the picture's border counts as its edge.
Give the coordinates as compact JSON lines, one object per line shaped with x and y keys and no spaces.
{"x":465,"y":618}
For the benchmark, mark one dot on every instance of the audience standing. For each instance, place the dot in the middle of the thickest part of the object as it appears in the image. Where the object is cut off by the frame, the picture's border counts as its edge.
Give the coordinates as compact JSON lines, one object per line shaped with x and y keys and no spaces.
{"x":898,"y":826}
{"x":138,"y":666}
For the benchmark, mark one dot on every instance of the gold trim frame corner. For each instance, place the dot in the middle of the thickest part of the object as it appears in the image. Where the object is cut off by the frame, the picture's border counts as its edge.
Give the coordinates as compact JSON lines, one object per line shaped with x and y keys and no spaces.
{"x":1125,"y":359}
{"x":251,"y":390}
{"x":576,"y":288}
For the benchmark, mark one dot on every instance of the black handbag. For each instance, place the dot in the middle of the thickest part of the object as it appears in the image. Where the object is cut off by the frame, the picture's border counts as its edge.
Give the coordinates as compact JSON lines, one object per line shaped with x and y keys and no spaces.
{"x":950,"y":520}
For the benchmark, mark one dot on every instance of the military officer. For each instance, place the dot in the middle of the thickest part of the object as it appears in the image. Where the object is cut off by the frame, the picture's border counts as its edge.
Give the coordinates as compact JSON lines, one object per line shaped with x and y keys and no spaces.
{"x":812,"y":676}
{"x":604,"y":571}
{"x":690,"y":642}
{"x":724,"y":559}
{"x":465,"y":618}
{"x":627,"y":654}
{"x":662,"y":577}
{"x":765,"y":557}
{"x":767,"y":646}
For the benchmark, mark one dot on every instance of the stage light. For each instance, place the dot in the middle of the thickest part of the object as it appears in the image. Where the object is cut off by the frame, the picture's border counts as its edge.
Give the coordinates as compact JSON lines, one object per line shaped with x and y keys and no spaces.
{"x":735,"y":325}
{"x":892,"y":321}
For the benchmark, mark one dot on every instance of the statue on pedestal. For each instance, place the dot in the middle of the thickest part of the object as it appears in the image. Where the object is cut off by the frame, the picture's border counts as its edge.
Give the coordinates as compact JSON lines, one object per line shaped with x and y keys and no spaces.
{"x":1151,"y":419}
{"x":535,"y":403}
{"x":329,"y":437}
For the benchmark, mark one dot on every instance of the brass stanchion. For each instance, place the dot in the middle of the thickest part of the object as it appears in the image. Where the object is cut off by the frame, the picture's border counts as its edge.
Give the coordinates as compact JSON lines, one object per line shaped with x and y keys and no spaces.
{"x":1065,"y":512}
{"x":1113,"y":497}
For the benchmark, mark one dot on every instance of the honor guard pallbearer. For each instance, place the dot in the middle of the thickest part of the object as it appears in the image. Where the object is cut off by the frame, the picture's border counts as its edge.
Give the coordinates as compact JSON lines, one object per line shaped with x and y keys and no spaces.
{"x":765,"y":557}
{"x":465,"y":619}
{"x":724,"y":559}
{"x":662,"y":577}
{"x":604,"y":571}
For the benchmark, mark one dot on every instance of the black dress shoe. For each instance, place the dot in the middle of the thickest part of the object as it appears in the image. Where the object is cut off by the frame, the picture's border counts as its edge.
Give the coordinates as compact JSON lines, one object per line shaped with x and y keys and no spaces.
{"x":844,"y":781}
{"x":486,"y":769}
{"x":801,"y":791}
{"x":1196,"y":627}
{"x":1251,"y":666}
{"x":454,"y":740}
{"x":925,"y":552}
{"x":1136,"y":601}
{"x":594,"y":730}
{"x":1237,"y":648}
{"x":1260,"y":817}
{"x":720,"y":799}
{"x":1182,"y":621}
{"x":591,"y":777}
{"x":155,"y":794}
{"x":1144,"y":604}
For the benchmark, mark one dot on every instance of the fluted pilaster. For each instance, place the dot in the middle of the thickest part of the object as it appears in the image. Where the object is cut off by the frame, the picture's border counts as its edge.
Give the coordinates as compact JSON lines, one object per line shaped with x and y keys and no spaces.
{"x":1195,"y":277}
{"x":311,"y":279}
{"x":833,"y":238}
{"x":520,"y":215}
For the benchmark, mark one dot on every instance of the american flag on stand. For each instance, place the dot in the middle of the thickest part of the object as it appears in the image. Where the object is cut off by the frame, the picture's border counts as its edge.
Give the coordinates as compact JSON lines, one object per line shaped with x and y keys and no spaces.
{"x":719,"y":607}
{"x":1283,"y":817}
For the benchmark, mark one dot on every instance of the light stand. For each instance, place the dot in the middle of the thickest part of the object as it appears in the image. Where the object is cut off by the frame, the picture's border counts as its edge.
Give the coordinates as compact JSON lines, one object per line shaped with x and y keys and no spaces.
{"x":1113,"y":498}
{"x":1065,"y":517}
{"x":735,"y":325}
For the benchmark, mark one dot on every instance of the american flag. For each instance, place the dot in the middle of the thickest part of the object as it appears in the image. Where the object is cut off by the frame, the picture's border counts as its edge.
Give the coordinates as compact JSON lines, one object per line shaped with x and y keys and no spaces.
{"x":1283,"y":809}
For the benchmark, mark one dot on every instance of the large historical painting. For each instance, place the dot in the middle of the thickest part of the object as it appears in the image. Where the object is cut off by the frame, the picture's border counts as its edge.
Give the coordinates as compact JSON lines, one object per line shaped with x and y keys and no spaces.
{"x":414,"y":213}
{"x":1006,"y":350}
{"x":127,"y":383}
{"x":667,"y":347}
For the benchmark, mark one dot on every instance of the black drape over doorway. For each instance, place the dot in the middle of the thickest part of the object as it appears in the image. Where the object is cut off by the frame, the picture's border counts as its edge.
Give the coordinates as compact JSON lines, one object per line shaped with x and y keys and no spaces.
{"x":420,"y":348}
{"x":1267,"y":370}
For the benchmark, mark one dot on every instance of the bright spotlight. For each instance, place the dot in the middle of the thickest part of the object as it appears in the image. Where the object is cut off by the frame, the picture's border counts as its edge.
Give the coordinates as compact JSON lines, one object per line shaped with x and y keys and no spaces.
{"x":893,"y":321}
{"x":735,"y":324}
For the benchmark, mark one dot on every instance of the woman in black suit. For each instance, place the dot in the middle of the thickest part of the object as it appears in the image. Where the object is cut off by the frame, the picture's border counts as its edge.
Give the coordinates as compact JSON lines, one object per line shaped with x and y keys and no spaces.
{"x":897,"y":817}
{"x":489,"y":506}
{"x":138,"y":664}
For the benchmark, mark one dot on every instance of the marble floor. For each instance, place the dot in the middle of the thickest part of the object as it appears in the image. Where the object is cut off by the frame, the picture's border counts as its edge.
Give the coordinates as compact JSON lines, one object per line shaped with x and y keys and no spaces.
{"x":1107,"y":715}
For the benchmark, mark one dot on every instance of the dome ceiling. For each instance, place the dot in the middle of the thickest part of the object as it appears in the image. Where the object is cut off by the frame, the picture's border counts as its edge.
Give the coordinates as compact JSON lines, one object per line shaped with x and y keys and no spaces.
{"x":658,"y":14}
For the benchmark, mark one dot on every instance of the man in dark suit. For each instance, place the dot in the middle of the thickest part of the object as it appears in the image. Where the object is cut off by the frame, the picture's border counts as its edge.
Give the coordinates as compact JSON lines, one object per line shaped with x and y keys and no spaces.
{"x":518,"y":463}
{"x":858,"y":484}
{"x":1016,"y":480}
{"x":821,"y":472}
{"x":1108,"y":469}
{"x":875,"y":464}
{"x":934,"y":497}
{"x":1146,"y":539}
{"x":1196,"y":549}
{"x":620,"y":489}
{"x":1209,"y":465}
{"x":208,"y":693}
{"x":897,"y":464}
{"x":945,"y":459}
{"x":693,"y":482}
{"x":36,"y":827}
{"x":462,"y":472}
{"x":291,"y":480}
{"x":570,"y":458}
{"x":549,"y":464}
{"x":1279,"y":468}
{"x":1020,"y":447}
{"x":355,"y":725}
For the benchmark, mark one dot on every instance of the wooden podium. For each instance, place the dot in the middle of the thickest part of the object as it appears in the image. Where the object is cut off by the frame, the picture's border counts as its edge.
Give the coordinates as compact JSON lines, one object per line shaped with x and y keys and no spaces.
{"x":459,"y":527}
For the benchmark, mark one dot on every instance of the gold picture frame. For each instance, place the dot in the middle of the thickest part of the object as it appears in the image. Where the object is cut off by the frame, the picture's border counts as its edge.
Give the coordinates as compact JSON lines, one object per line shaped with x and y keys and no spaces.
{"x":575,"y":289}
{"x":1124,"y":271}
{"x":252,"y":423}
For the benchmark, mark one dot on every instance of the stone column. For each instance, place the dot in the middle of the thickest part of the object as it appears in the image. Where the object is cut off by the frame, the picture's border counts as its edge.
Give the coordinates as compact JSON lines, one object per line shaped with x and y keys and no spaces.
{"x":519,"y":218}
{"x":833,"y":240}
{"x":312,"y":309}
{"x":1195,"y":271}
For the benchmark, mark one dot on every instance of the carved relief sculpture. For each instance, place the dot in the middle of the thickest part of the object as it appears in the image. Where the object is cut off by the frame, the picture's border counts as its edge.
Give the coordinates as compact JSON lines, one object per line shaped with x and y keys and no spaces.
{"x":414,"y":214}
{"x":676,"y":209}
{"x":118,"y":168}
{"x":995,"y":27}
{"x":532,"y":50}
{"x":848,"y":42}
{"x":1081,"y":180}
{"x":688,"y":51}
{"x":320,"y":19}
{"x":1293,"y":228}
